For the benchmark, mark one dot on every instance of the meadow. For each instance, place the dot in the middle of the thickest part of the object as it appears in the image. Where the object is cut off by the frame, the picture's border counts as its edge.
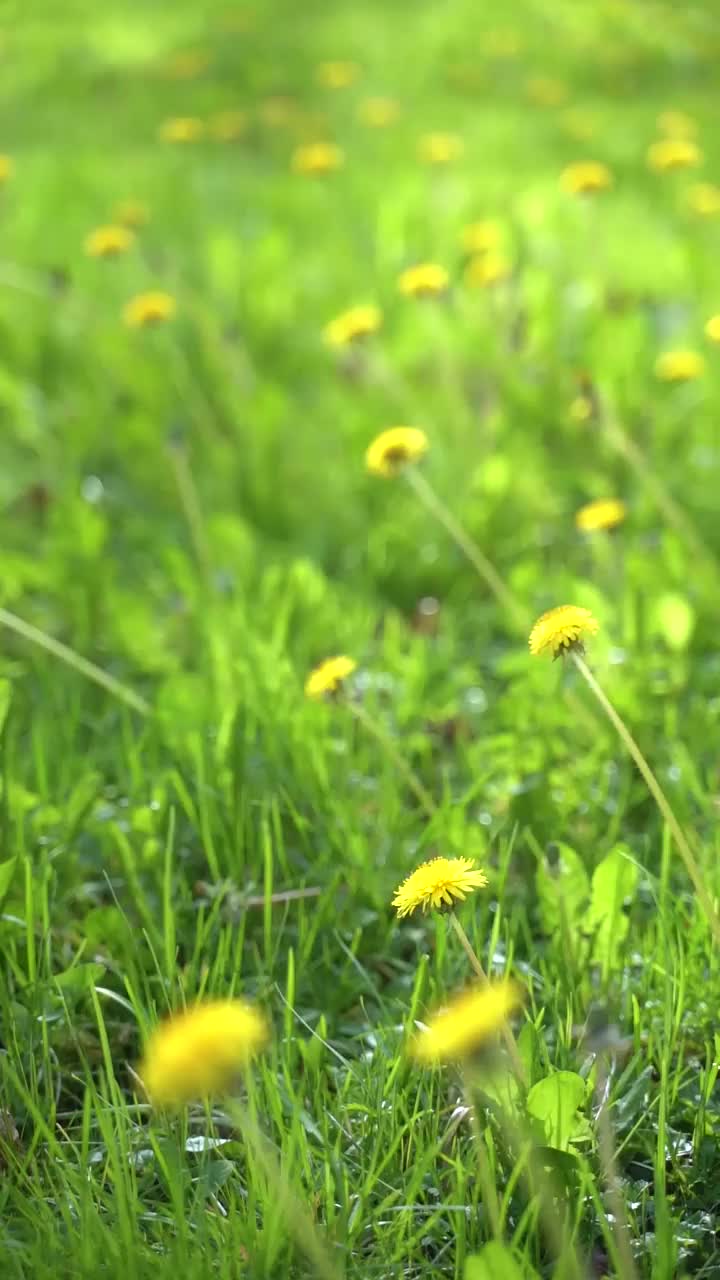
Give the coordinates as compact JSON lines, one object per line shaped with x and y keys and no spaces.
{"x":237,"y":246}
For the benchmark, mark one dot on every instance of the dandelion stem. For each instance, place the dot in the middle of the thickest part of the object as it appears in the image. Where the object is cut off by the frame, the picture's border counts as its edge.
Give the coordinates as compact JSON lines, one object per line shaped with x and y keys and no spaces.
{"x":477,"y":968}
{"x":190,"y":503}
{"x":74,"y":660}
{"x":477,"y":558}
{"x":606,"y":1148}
{"x":391,"y":750}
{"x":657,"y":793}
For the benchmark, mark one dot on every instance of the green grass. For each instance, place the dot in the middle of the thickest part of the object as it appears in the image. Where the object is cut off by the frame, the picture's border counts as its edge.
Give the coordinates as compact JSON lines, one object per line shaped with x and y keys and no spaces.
{"x":188,"y":510}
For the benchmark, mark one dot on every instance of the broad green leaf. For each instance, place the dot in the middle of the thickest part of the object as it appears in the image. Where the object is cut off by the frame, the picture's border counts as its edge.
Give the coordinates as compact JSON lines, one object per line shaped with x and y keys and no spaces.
{"x":563,"y":888}
{"x":554,"y":1105}
{"x":614,"y":882}
{"x":80,"y":977}
{"x":497,"y":1262}
{"x":7,"y":871}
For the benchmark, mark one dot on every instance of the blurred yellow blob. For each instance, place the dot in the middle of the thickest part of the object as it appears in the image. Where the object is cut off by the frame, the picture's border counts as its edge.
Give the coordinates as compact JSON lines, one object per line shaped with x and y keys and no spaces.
{"x":378,"y":113}
{"x":581,"y":409}
{"x":545,"y":91}
{"x":147,"y":309}
{"x":228,"y":126}
{"x":187,"y":64}
{"x":131,"y":213}
{"x":676,"y":124}
{"x":181,"y":129}
{"x":486,"y":269}
{"x":679,"y":366}
{"x":704,"y":199}
{"x":6,"y":168}
{"x":202,"y":1051}
{"x":467,"y":1023}
{"x":350,"y":326}
{"x":712,"y":328}
{"x":328,"y":677}
{"x":602,"y":514}
{"x":673,"y":153}
{"x":337,"y":75}
{"x":586,"y":178}
{"x":317,"y":158}
{"x":426,"y":280}
{"x":278,"y":111}
{"x":440,"y":148}
{"x":108,"y":242}
{"x":481,"y":236}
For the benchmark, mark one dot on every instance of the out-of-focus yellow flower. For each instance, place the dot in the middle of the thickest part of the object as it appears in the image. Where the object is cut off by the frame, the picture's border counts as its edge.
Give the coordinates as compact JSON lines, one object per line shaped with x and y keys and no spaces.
{"x":228,"y":126}
{"x":673,"y":153}
{"x":317,"y":158}
{"x":394,"y":449}
{"x":704,"y":198}
{"x":561,"y":630}
{"x":201,"y":1052}
{"x":679,"y":366}
{"x":712,"y":328}
{"x":677,"y":124}
{"x":586,"y":177}
{"x":438,"y":883}
{"x":378,"y":113}
{"x":131,"y":213}
{"x":328,"y":677}
{"x":440,"y":148}
{"x":603,"y":513}
{"x":108,"y":242}
{"x":181,"y":129}
{"x":425,"y":280}
{"x":486,"y":269}
{"x":187,"y":64}
{"x":358,"y":322}
{"x":337,"y":75}
{"x":6,"y":168}
{"x":150,"y":308}
{"x":581,"y":409}
{"x":545,"y":91}
{"x":278,"y":111}
{"x":481,"y":236}
{"x":467,"y":1023}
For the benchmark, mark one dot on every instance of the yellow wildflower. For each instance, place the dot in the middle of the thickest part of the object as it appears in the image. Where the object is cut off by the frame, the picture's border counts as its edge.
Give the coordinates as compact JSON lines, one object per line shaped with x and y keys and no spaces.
{"x":181,"y":129}
{"x":149,"y":309}
{"x":676,"y":124}
{"x":704,"y":198}
{"x":440,"y":148}
{"x":328,"y":677}
{"x":486,"y":269}
{"x":358,"y":322}
{"x":317,"y":157}
{"x":467,"y":1023}
{"x":586,"y":177}
{"x":481,"y":236}
{"x":108,"y":242}
{"x":228,"y":126}
{"x":425,"y":280}
{"x":394,"y":449}
{"x":673,"y":153}
{"x":544,"y":91}
{"x":438,"y":884}
{"x":679,"y":366}
{"x":131,"y":213}
{"x":378,"y":113}
{"x":6,"y":168}
{"x":337,"y":75}
{"x":712,"y":328}
{"x":603,"y":513}
{"x":561,"y":630}
{"x":202,"y":1051}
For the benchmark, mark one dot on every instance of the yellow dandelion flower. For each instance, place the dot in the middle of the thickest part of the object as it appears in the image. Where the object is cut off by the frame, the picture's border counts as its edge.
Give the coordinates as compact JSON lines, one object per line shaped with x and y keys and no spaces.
{"x":544,"y":91}
{"x":586,"y":177}
{"x":486,"y":269}
{"x":581,"y":409}
{"x":394,"y":449}
{"x":317,"y":158}
{"x":440,"y":148}
{"x":712,"y":328}
{"x":562,"y":629}
{"x":467,"y":1023}
{"x":676,"y":124}
{"x":201,"y":1052}
{"x":358,"y":322}
{"x":704,"y":199}
{"x":337,"y":75}
{"x":7,"y":168}
{"x":228,"y":126}
{"x":679,"y":366}
{"x":481,"y":236}
{"x":438,"y":884}
{"x":378,"y":113}
{"x":328,"y":677}
{"x":181,"y":129}
{"x":603,"y":513}
{"x":108,"y":242}
{"x":131,"y":213}
{"x":673,"y":153}
{"x":149,"y":309}
{"x":425,"y":280}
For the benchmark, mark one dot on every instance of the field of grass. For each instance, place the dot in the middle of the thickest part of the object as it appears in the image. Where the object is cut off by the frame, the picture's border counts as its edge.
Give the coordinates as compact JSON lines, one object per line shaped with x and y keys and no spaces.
{"x":188,"y":527}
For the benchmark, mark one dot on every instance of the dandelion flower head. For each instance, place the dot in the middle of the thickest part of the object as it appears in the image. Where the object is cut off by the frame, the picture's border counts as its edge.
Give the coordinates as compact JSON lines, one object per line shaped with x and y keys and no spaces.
{"x":586,"y":178}
{"x":149,"y":309}
{"x":440,"y":148}
{"x":438,"y":884}
{"x":108,"y":242}
{"x":378,"y":112}
{"x":328,"y":677}
{"x":202,"y":1051}
{"x":425,"y":280}
{"x":704,"y":199}
{"x":481,"y":236}
{"x":679,"y":366}
{"x":181,"y":129}
{"x":317,"y":158}
{"x":673,"y":153}
{"x":394,"y":449}
{"x":486,"y":269}
{"x":357,"y":322}
{"x":677,"y":124}
{"x":467,"y":1023}
{"x":603,"y":513}
{"x":6,"y":168}
{"x":561,"y":630}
